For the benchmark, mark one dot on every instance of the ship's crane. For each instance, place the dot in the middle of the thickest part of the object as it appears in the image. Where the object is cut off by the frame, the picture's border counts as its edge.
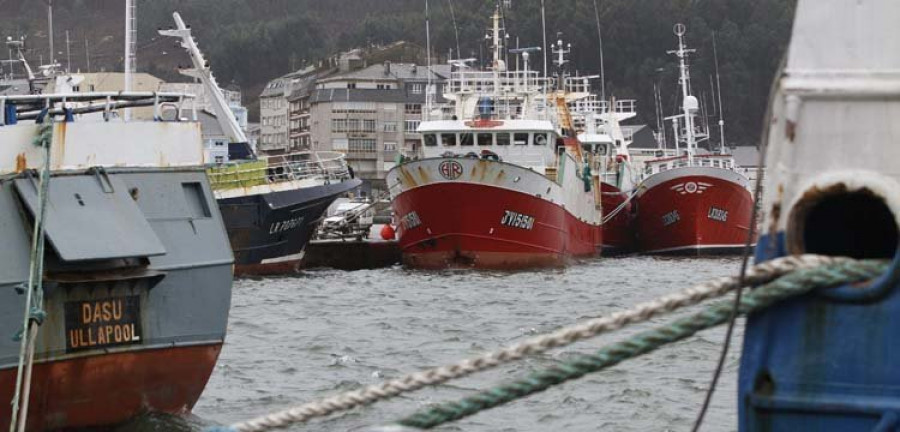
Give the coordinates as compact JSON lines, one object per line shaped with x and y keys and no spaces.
{"x":201,"y":71}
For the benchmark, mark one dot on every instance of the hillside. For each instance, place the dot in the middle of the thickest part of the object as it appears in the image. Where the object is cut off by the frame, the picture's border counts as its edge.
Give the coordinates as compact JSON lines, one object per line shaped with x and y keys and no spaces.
{"x":252,"y":41}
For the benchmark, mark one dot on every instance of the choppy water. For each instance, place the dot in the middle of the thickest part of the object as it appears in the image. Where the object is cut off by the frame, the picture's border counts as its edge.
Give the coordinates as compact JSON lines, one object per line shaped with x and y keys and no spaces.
{"x":302,"y":338}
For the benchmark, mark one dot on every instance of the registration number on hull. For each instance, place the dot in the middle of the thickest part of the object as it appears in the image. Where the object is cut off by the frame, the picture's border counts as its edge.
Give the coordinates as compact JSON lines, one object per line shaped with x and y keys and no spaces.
{"x":517,"y":220}
{"x":102,"y":323}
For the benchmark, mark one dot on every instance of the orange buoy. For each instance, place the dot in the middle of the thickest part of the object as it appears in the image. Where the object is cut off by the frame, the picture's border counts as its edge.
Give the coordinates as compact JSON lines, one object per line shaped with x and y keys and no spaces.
{"x":387,"y":232}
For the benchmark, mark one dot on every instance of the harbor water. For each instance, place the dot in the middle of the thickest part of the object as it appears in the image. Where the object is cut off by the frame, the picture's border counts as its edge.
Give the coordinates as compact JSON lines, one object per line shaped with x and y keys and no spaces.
{"x":297,"y":339}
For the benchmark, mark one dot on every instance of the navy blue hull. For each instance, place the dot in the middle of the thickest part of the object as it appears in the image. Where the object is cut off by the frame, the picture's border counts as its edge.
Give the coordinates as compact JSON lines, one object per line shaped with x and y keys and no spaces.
{"x":268,"y":232}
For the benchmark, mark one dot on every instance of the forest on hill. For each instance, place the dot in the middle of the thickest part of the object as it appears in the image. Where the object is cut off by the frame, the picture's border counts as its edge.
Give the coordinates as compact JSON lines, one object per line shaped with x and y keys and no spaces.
{"x":252,"y":41}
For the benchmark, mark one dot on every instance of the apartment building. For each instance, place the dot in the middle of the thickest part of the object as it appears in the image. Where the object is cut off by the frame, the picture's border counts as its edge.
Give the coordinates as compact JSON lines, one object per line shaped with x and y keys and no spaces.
{"x":372,"y":114}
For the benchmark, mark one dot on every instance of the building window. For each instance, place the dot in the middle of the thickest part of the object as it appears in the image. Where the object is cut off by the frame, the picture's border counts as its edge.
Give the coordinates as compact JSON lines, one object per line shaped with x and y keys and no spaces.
{"x":338,"y":125}
{"x":362,"y":146}
{"x":353,"y":107}
{"x":384,"y":86}
{"x":390,"y":126}
{"x":412,"y":126}
{"x":339,"y":144}
{"x":414,"y":108}
{"x":416,"y":88}
{"x":390,"y":146}
{"x":368,"y":126}
{"x":351,"y":85}
{"x":220,"y":160}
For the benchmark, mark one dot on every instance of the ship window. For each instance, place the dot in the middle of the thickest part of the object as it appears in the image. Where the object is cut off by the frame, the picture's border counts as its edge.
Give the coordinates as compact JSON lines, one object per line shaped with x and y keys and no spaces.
{"x":485,"y":139}
{"x":502,"y":139}
{"x":430,"y":140}
{"x":520,"y":139}
{"x":648,"y":170}
{"x":540,"y":139}
{"x":716,"y":163}
{"x":466,"y":139}
{"x":663,"y":167}
{"x":448,"y":140}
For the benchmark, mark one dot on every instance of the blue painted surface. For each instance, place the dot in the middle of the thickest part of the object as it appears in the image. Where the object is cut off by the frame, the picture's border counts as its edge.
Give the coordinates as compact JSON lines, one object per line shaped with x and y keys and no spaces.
{"x":9,"y":116}
{"x":823,"y":361}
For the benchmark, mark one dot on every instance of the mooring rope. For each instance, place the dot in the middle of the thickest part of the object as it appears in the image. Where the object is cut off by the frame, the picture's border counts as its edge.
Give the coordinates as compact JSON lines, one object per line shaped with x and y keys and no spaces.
{"x":619,"y":209}
{"x":34,"y":299}
{"x":756,"y":275}
{"x":785,"y":287}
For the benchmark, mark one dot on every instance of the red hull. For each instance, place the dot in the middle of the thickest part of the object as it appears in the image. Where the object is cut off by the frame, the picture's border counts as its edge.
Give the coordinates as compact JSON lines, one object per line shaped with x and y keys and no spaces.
{"x":467,"y":224}
{"x":109,"y":389}
{"x":694,"y":214}
{"x":618,"y":232}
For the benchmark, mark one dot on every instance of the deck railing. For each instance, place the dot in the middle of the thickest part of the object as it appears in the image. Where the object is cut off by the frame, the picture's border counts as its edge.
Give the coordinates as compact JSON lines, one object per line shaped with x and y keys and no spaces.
{"x":276,"y":169}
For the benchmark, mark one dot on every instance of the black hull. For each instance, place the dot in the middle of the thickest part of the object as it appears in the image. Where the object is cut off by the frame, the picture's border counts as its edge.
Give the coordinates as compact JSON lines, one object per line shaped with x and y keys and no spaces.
{"x":268,"y":232}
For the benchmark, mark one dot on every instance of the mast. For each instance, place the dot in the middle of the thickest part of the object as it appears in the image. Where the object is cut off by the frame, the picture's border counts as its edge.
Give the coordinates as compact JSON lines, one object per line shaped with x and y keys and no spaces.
{"x":721,"y":108}
{"x":600,"y":40}
{"x":50,"y":29}
{"x":689,"y":105}
{"x":428,"y":89}
{"x":130,"y":45}
{"x":544,"y":34}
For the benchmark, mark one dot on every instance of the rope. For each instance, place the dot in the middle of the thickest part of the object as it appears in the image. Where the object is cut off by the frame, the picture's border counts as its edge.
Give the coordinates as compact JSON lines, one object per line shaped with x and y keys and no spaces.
{"x":788,"y":286}
{"x":759,"y":274}
{"x":34,"y":300}
{"x":618,"y":209}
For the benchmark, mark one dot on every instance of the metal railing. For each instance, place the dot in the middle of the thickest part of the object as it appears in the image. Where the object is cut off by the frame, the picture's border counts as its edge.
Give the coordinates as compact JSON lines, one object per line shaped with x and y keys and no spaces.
{"x":29,"y":107}
{"x":324,"y":165}
{"x":489,"y":83}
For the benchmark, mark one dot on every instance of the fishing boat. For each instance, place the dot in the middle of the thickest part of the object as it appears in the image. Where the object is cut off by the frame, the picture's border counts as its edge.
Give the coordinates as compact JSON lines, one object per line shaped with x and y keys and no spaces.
{"x":503,"y":183}
{"x":606,"y":146}
{"x":692,"y":204}
{"x":271,"y":205}
{"x":136,"y":274}
{"x":826,"y":361}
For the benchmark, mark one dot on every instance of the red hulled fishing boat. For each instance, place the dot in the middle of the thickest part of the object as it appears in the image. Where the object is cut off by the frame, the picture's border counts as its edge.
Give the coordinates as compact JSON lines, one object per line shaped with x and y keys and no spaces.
{"x":500,"y":185}
{"x":692,"y":204}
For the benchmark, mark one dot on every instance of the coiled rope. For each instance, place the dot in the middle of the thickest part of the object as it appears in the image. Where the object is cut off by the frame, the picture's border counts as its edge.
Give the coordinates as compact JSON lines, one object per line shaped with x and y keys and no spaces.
{"x":759,"y":274}
{"x":34,"y":294}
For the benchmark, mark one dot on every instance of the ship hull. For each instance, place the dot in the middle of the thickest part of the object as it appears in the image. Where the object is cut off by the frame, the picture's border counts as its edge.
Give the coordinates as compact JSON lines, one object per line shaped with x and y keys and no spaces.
{"x":269,"y":231}
{"x":480,"y":225}
{"x":110,"y":389}
{"x":618,"y":232}
{"x":122,"y":336}
{"x":694,"y":211}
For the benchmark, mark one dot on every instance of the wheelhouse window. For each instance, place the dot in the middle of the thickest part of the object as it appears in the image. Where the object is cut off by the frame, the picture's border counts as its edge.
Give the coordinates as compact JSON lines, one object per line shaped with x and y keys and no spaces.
{"x":485,"y":139}
{"x":663,"y":167}
{"x":502,"y":139}
{"x":448,"y":140}
{"x":466,"y":139}
{"x":430,"y":140}
{"x":540,"y":139}
{"x":520,"y":138}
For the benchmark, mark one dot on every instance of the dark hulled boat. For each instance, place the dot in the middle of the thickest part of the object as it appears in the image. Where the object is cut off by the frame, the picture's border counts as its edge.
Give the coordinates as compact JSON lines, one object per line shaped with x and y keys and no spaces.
{"x":271,"y":206}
